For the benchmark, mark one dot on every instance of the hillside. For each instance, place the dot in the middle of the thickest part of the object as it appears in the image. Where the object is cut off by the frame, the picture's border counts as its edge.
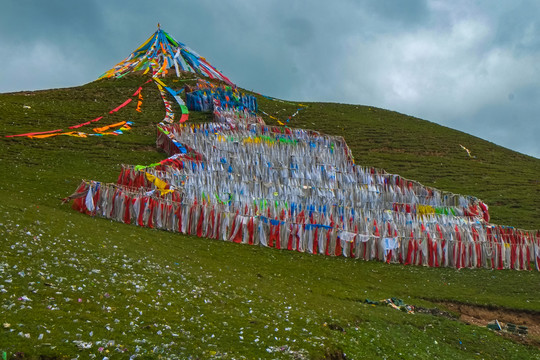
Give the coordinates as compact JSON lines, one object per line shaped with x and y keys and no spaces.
{"x":92,"y":281}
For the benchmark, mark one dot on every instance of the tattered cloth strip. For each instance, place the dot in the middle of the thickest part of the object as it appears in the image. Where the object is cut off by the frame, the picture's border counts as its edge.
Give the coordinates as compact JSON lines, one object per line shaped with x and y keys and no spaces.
{"x":278,"y":120}
{"x":139,"y":103}
{"x":35,"y":133}
{"x":433,"y":241}
{"x":289,"y":118}
{"x":86,"y":123}
{"x":169,"y":113}
{"x":124,"y":125}
{"x":121,"y":106}
{"x":168,"y":108}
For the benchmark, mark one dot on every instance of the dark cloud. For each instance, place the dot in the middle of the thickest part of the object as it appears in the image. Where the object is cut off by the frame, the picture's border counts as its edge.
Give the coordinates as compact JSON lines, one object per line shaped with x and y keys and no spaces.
{"x":410,"y":13}
{"x":297,"y":32}
{"x":518,"y":27}
{"x":473,"y":66}
{"x":51,"y":20}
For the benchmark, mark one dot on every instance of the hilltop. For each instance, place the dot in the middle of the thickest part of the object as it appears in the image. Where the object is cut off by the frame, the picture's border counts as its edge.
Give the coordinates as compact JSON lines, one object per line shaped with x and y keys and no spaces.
{"x":232,"y":295}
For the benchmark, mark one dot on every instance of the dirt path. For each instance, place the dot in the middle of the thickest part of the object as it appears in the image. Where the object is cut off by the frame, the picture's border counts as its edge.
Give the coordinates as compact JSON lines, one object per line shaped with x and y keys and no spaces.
{"x":481,"y":316}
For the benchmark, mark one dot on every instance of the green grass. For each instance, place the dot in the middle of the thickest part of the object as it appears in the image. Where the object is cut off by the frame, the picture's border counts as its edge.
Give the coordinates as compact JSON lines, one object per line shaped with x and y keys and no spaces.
{"x":162,"y":294}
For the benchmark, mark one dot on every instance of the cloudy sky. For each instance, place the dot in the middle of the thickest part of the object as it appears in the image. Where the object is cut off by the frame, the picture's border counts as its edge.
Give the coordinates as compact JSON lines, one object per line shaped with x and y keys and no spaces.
{"x":469,"y":65}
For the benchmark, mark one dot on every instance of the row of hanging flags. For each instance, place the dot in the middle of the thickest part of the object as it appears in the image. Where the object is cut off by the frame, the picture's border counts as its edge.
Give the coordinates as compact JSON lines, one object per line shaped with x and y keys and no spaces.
{"x":73,"y":130}
{"x":300,"y":190}
{"x":237,"y":179}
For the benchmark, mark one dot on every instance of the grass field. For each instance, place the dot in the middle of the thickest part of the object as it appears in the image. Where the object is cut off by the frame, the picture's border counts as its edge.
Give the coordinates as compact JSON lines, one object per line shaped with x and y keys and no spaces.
{"x":72,"y":285}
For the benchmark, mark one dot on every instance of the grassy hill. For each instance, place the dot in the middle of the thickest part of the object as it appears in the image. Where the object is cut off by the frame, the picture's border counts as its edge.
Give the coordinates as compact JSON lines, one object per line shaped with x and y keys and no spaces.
{"x":98,"y":288}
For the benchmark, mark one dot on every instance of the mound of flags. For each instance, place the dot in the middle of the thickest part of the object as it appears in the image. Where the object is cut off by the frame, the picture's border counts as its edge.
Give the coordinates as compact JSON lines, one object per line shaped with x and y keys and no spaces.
{"x":160,"y":54}
{"x":300,"y":190}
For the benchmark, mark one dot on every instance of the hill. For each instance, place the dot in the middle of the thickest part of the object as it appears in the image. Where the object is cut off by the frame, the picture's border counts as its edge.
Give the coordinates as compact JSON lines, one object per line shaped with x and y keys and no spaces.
{"x":93,"y":284}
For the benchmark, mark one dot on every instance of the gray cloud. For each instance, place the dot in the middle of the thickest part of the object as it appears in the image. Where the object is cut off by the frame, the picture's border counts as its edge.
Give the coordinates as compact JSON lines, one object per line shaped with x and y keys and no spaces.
{"x":473,"y":66}
{"x":412,"y":13}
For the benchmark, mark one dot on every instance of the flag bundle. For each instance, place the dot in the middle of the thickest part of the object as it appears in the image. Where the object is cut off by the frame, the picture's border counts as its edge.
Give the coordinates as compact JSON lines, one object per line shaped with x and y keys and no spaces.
{"x":161,"y":53}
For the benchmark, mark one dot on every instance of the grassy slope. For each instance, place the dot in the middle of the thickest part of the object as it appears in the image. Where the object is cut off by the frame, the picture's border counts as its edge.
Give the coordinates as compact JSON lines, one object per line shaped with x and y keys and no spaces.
{"x":155,"y":292}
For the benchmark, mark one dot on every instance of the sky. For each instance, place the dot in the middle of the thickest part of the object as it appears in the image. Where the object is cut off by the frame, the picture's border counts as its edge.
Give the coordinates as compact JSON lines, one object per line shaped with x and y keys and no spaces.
{"x":469,"y":65}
